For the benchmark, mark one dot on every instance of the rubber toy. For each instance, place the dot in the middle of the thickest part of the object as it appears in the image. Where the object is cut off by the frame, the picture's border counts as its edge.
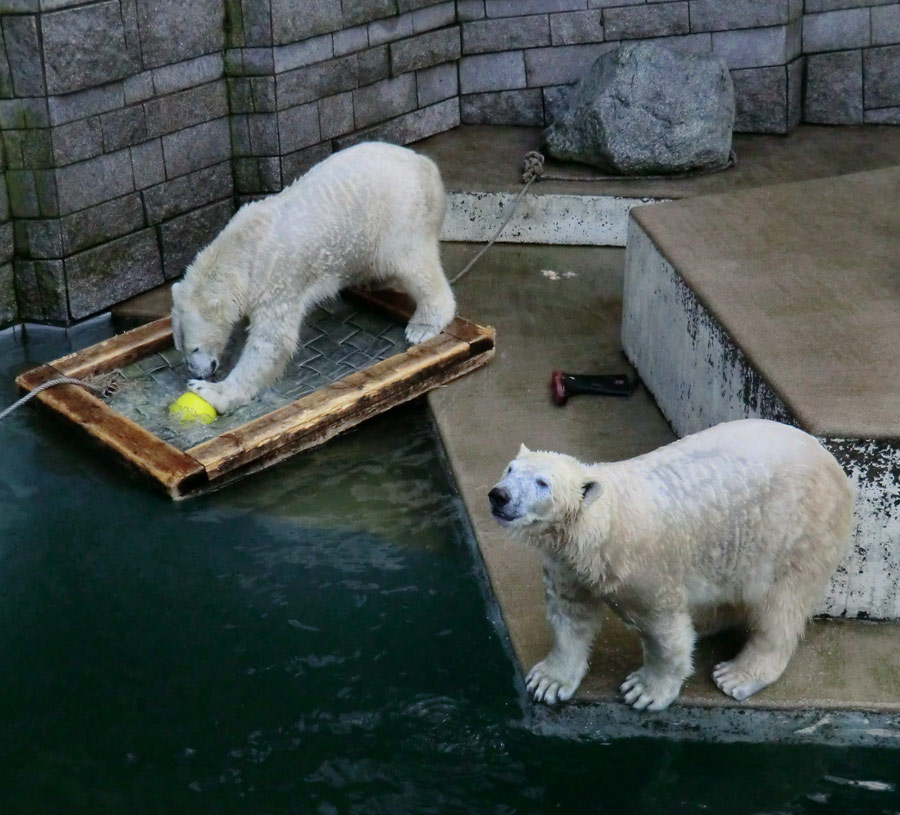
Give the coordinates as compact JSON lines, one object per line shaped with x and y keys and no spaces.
{"x":191,"y":408}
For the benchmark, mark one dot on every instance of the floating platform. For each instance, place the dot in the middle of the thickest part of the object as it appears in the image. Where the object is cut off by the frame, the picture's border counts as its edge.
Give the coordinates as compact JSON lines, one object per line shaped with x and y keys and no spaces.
{"x":352,"y":364}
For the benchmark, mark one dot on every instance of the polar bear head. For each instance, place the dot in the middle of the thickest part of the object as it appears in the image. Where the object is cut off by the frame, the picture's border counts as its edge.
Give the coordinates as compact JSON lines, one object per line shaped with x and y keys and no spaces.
{"x":542,"y":489}
{"x":201,"y":327}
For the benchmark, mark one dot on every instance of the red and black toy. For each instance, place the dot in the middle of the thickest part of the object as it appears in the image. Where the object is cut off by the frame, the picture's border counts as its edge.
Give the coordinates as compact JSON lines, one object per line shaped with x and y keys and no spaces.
{"x":563,"y":385}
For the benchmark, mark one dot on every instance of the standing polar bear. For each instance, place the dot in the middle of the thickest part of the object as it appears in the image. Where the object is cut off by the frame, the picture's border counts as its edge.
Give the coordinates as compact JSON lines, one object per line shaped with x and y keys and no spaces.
{"x":368,"y":214}
{"x":741,"y":524}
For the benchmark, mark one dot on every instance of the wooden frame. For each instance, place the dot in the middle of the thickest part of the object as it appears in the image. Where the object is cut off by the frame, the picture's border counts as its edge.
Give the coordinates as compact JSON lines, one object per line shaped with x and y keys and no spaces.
{"x":462,"y":347}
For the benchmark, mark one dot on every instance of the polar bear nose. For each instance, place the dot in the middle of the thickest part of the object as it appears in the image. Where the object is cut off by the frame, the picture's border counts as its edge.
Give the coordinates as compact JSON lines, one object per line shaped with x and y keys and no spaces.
{"x":499,"y":497}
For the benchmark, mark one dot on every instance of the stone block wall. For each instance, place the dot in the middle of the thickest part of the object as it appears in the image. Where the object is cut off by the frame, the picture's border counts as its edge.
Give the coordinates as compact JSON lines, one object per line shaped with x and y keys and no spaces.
{"x":132,"y":128}
{"x":520,"y":56}
{"x":304,"y":84}
{"x":825,"y":61}
{"x":9,"y":310}
{"x":853,"y":61}
{"x":115,"y":132}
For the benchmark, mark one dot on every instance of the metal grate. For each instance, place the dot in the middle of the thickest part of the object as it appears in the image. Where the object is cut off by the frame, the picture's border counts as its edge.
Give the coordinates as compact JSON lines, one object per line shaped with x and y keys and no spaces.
{"x":337,"y":339}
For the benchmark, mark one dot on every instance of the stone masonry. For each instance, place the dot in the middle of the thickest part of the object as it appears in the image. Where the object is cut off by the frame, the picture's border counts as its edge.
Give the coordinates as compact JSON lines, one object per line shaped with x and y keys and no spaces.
{"x":853,"y":62}
{"x":132,"y":128}
{"x":521,"y":56}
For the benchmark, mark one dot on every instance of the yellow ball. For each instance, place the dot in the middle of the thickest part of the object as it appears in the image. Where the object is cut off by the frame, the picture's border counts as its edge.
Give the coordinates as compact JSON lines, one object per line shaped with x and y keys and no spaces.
{"x":191,"y":408}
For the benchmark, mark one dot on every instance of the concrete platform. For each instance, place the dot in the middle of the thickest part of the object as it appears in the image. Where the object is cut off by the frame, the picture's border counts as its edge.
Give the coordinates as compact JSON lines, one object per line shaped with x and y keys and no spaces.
{"x":843,"y":685}
{"x":783,"y":303}
{"x":481,"y":165}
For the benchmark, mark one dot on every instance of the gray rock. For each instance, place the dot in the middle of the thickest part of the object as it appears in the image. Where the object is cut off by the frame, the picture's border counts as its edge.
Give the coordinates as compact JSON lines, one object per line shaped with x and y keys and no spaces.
{"x":644,"y":109}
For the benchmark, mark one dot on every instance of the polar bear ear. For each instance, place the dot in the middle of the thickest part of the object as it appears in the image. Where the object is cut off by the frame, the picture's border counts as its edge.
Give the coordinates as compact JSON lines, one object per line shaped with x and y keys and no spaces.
{"x":523,"y":450}
{"x":590,"y":492}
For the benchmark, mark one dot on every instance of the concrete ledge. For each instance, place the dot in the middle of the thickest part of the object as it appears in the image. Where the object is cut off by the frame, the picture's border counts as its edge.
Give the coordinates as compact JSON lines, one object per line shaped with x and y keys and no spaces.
{"x":836,"y":728}
{"x":569,"y":220}
{"x":749,"y":306}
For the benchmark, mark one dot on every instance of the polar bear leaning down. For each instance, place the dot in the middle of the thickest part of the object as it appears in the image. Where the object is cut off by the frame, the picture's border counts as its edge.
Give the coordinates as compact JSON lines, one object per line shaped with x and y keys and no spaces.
{"x":369,"y":214}
{"x":739,"y":525}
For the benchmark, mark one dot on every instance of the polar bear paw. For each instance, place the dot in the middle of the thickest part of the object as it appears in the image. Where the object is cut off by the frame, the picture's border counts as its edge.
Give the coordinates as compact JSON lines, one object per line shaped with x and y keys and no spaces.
{"x":644,"y":691}
{"x":419,"y":332}
{"x":551,"y":683}
{"x":214,"y":393}
{"x":736,"y":682}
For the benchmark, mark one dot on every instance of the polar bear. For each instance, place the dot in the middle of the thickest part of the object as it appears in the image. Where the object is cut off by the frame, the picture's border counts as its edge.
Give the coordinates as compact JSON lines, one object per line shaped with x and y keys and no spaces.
{"x":741,"y":524}
{"x":369,"y":214}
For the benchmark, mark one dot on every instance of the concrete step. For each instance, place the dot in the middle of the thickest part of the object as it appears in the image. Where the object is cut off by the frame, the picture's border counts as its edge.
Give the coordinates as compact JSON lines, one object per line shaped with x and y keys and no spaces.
{"x":784,"y":303}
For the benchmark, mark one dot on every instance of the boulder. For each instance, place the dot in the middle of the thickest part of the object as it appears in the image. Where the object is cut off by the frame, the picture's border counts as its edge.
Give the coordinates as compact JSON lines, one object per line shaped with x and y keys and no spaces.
{"x":643,"y":109}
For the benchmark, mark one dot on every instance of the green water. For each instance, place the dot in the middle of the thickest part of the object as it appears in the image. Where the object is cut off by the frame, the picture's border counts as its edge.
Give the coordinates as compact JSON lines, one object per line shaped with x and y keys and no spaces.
{"x":313,"y":640}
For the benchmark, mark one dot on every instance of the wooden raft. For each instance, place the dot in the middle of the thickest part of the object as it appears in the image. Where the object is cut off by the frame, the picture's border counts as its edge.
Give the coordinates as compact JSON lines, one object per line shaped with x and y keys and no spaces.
{"x":308,"y":422}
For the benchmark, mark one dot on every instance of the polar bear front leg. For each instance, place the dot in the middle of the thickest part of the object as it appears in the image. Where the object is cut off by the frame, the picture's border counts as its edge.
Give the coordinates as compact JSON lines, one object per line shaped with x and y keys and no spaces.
{"x":668,"y":643}
{"x":574,"y":615}
{"x":268,"y":349}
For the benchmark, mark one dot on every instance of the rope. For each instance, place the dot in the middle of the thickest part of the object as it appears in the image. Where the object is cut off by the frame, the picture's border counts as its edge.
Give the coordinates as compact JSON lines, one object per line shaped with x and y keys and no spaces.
{"x":533,"y":167}
{"x":99,"y":386}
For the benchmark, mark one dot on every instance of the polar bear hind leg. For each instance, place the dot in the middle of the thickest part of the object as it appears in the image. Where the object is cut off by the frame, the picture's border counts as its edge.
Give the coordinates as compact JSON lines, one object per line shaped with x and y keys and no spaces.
{"x":422,"y":277}
{"x":776,"y":625}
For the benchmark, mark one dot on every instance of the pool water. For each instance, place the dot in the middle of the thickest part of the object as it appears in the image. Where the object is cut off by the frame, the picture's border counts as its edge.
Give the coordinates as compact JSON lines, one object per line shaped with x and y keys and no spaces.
{"x":314,"y":639}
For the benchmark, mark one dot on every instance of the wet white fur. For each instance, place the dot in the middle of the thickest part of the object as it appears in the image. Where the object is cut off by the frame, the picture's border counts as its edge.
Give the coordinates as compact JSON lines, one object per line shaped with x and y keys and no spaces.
{"x":741,"y":524}
{"x":368,"y":214}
